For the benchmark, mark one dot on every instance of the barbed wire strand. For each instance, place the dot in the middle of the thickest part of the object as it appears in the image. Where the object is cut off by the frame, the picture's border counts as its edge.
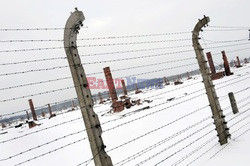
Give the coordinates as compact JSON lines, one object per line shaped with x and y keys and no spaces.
{"x":98,"y":62}
{"x":237,"y":92}
{"x":32,"y":61}
{"x":96,"y":45}
{"x":96,"y":38}
{"x":113,"y":44}
{"x":196,"y":150}
{"x":140,"y":57}
{"x":30,"y":40}
{"x":67,"y":88}
{"x":203,"y":120}
{"x":165,"y":149}
{"x":162,"y":150}
{"x":95,"y":54}
{"x":230,"y":27}
{"x":242,"y":49}
{"x":202,"y":146}
{"x":215,"y":84}
{"x":149,"y":72}
{"x":41,"y":145}
{"x":229,"y":142}
{"x":226,"y":41}
{"x":149,"y":114}
{"x":229,"y":45}
{"x":121,"y":145}
{"x":38,"y":131}
{"x":161,"y":104}
{"x":36,"y":94}
{"x":39,"y":107}
{"x":113,"y":53}
{"x":35,"y":83}
{"x":209,"y":141}
{"x":72,"y":87}
{"x":44,"y":154}
{"x":35,"y":29}
{"x":68,"y":145}
{"x":164,"y":140}
{"x":185,"y":146}
{"x":34,"y":70}
{"x":224,"y":30}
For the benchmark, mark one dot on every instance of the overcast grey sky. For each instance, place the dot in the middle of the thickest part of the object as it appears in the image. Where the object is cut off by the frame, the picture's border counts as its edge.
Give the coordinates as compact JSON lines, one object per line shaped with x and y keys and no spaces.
{"x":106,"y":18}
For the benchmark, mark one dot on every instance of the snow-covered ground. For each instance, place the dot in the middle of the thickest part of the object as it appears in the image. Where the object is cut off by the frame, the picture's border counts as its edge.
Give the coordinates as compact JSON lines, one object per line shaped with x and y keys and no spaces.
{"x":176,"y":130}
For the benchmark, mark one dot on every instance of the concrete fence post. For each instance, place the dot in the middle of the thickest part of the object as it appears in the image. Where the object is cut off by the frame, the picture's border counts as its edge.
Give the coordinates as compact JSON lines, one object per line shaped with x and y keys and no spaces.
{"x":32,"y":108}
{"x":226,"y":64}
{"x":90,"y":118}
{"x":219,"y":118}
{"x":233,"y":102}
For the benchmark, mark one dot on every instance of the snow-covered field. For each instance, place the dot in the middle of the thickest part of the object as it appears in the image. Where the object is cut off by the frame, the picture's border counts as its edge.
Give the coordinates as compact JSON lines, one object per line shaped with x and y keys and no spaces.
{"x":176,"y":130}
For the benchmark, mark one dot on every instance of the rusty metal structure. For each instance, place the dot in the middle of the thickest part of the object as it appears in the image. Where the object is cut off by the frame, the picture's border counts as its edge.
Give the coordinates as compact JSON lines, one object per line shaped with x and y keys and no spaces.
{"x":217,"y":76}
{"x":246,"y":61}
{"x":100,"y":98}
{"x":226,"y":64}
{"x":211,"y":62}
{"x":166,"y":81}
{"x":3,"y":125}
{"x":117,"y":105}
{"x":33,"y":112}
{"x":214,"y":75}
{"x":110,"y":83}
{"x":127,"y":103}
{"x":32,"y":124}
{"x":238,"y":62}
{"x":124,"y":88}
{"x":51,"y":115}
{"x":125,"y":99}
{"x":136,"y":89}
{"x":43,"y":114}
{"x":235,"y":63}
{"x":178,"y":81}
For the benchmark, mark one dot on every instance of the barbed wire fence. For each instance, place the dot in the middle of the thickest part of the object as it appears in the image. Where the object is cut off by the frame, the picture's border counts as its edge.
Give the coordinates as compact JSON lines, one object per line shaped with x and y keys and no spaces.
{"x":137,"y":51}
